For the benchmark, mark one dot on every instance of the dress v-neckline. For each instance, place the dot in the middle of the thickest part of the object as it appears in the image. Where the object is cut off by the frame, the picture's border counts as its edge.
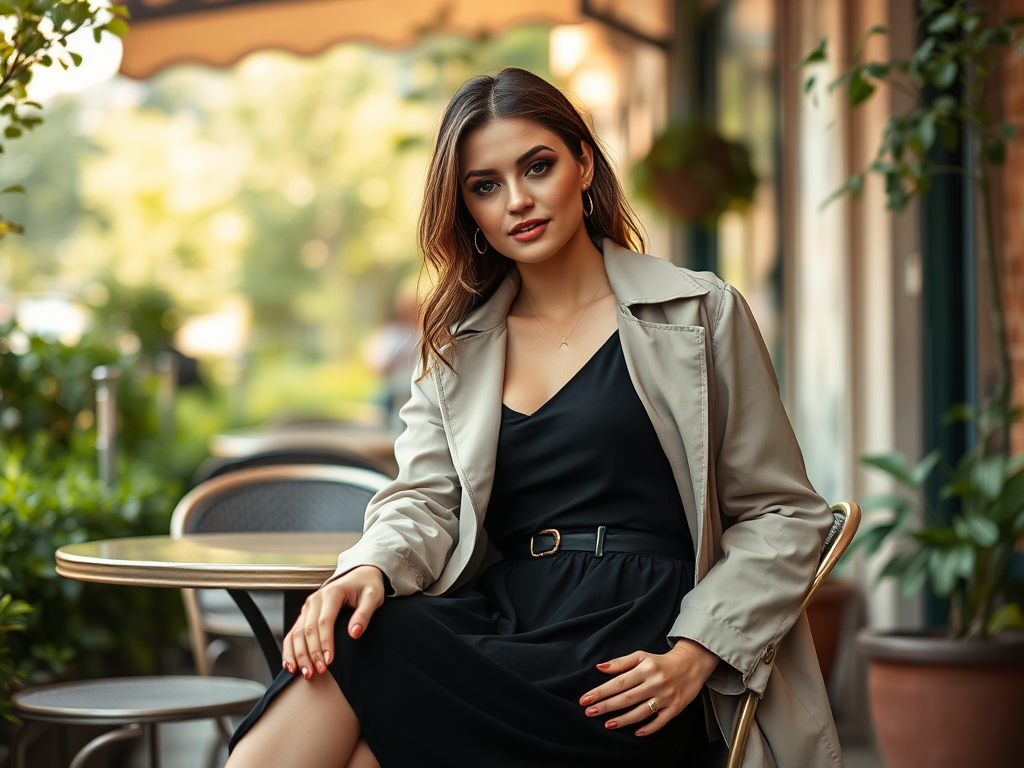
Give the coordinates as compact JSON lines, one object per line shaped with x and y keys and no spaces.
{"x":565,"y":386}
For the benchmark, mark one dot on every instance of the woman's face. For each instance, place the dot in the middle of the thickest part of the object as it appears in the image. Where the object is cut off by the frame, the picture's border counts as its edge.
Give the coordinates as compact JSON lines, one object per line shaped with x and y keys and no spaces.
{"x":523,"y":187}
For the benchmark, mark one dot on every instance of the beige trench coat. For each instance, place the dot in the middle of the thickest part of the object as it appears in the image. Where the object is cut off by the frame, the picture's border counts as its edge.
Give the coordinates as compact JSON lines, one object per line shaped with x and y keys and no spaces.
{"x":701,"y":370}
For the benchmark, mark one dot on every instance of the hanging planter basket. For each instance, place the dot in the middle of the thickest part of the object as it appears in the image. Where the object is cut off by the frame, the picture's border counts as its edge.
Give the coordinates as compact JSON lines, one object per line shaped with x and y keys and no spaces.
{"x":695,"y":174}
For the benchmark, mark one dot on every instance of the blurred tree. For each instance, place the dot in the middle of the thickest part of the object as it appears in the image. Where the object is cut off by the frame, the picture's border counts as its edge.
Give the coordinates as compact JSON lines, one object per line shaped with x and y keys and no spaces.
{"x":294,"y":183}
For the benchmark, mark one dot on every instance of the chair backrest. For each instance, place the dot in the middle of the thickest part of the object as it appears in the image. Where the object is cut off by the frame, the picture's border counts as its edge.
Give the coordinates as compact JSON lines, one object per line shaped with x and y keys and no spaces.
{"x":215,"y":466}
{"x":285,"y":497}
{"x":846,"y":519}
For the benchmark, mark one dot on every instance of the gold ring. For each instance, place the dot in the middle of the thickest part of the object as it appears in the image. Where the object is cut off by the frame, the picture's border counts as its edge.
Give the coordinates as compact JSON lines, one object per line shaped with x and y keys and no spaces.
{"x":653,"y":705}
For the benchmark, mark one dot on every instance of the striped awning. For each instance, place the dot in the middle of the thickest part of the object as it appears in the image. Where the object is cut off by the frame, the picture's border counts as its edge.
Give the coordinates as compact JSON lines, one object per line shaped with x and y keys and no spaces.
{"x":220,"y":32}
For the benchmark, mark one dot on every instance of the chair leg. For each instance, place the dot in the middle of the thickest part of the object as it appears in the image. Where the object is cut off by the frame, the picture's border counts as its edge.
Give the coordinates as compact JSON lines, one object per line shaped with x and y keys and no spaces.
{"x":213,"y":753}
{"x":153,"y":739}
{"x":22,"y":742}
{"x":118,"y":734}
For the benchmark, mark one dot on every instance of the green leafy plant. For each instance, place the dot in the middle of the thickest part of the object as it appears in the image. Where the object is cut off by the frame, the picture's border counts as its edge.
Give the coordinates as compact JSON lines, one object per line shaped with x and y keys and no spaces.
{"x":51,"y":495}
{"x":47,"y":387}
{"x":12,"y":619}
{"x":77,"y":628}
{"x":34,"y":34}
{"x":965,"y":558}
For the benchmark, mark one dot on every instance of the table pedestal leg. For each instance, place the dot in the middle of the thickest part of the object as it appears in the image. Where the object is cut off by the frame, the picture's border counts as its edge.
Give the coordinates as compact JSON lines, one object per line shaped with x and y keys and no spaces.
{"x":294,"y":599}
{"x":260,"y":628}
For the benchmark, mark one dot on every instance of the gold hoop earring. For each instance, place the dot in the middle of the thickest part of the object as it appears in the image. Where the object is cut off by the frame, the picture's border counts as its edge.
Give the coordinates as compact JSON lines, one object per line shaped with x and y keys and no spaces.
{"x":476,"y":245}
{"x":587,"y":198}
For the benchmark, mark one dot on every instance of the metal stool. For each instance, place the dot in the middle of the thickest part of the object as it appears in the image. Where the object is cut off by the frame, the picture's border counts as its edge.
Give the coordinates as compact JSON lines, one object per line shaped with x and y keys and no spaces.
{"x":137,"y":704}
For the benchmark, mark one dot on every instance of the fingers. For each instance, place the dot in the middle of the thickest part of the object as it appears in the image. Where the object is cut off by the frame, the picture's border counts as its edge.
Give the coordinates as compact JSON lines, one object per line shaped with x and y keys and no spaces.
{"x":330,"y":606}
{"x":371,"y":597}
{"x":642,"y":712}
{"x":657,"y":723}
{"x":630,"y":671}
{"x":641,"y":678}
{"x":305,"y":640}
{"x":640,"y":693}
{"x":622,"y":664}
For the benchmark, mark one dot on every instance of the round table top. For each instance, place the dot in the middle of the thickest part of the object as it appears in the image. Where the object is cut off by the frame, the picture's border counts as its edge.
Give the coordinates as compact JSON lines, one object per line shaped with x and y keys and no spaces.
{"x":209,"y":560}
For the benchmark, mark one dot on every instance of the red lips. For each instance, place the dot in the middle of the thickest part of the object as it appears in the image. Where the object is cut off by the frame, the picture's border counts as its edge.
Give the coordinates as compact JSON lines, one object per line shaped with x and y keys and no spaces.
{"x":530,"y":229}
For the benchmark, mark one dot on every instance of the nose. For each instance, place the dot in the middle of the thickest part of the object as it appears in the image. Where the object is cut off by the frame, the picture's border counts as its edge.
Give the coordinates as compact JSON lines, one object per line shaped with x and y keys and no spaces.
{"x":519,"y":198}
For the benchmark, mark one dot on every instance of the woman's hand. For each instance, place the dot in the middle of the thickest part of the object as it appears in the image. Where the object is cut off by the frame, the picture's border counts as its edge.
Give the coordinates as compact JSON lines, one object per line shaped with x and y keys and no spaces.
{"x":309,"y":645}
{"x":672,"y":680}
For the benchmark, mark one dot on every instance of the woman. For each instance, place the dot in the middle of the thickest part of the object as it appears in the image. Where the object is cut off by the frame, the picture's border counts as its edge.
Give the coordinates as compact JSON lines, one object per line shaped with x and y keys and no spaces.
{"x":601,"y":509}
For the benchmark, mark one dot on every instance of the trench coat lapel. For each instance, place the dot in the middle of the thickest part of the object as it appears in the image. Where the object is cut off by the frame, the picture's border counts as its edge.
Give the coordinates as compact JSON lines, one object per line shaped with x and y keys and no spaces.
{"x":472,"y":400}
{"x":667,"y":365}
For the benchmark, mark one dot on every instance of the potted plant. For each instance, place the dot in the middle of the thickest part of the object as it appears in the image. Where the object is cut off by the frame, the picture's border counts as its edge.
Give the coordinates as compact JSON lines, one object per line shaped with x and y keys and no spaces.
{"x":695,"y":173}
{"x":949,"y":700}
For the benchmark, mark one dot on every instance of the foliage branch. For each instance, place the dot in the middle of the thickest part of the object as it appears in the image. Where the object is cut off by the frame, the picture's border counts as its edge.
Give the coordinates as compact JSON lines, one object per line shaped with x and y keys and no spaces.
{"x":965,"y":559}
{"x":35,"y":33}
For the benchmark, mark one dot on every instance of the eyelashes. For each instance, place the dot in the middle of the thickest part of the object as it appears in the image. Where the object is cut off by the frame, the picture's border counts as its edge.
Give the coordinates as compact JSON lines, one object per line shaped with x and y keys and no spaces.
{"x":486,"y":186}
{"x":483,"y":187}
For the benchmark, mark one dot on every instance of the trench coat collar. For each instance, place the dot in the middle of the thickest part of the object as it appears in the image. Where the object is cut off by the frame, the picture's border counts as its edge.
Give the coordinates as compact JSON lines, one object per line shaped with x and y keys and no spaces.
{"x":634,"y":278}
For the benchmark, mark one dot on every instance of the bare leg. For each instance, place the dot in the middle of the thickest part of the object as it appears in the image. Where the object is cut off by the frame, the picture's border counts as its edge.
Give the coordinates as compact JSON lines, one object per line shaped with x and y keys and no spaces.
{"x":362,"y":757}
{"x":309,"y":724}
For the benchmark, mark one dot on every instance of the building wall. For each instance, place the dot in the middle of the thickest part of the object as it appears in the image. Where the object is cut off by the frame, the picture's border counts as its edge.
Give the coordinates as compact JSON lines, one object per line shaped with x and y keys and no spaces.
{"x":1010,"y":224}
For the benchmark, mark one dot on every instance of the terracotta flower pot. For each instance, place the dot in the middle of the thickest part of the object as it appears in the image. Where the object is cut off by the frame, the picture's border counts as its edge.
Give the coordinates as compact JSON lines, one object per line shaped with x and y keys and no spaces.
{"x":938,"y":703}
{"x":825,"y":615}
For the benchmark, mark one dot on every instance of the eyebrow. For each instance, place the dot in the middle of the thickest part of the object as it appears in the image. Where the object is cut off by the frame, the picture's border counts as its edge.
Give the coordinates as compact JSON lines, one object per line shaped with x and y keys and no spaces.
{"x":519,"y":161}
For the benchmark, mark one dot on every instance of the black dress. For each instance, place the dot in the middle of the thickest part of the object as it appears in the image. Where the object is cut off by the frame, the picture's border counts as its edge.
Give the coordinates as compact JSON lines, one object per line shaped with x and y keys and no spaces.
{"x":491,"y":674}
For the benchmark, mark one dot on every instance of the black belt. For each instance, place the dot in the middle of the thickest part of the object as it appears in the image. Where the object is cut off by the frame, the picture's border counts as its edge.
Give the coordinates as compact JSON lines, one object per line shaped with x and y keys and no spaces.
{"x":550,"y":540}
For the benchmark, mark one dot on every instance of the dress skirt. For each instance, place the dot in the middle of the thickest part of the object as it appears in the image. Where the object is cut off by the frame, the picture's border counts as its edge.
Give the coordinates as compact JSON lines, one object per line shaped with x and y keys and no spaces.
{"x":491,"y":674}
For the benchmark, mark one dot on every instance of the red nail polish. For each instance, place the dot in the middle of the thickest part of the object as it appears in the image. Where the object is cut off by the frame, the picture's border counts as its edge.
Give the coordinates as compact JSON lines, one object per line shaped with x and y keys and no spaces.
{"x":327,"y":657}
{"x":611,"y":724}
{"x":591,"y":711}
{"x":319,"y":666}
{"x":305,"y":673}
{"x":587,"y":699}
{"x":357,"y":630}
{"x":604,"y":665}
{"x":641,"y":733}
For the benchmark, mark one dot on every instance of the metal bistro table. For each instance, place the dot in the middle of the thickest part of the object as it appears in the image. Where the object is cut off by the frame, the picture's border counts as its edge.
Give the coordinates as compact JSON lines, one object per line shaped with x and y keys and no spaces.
{"x":297,"y":563}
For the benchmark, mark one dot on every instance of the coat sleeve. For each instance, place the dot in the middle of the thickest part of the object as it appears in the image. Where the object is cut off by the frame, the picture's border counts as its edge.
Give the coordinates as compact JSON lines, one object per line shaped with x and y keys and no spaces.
{"x":772,"y":521}
{"x":412,"y":524}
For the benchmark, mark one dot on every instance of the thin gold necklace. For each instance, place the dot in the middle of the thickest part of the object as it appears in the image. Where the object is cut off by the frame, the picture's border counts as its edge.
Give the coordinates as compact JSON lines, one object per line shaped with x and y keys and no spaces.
{"x":563,"y":343}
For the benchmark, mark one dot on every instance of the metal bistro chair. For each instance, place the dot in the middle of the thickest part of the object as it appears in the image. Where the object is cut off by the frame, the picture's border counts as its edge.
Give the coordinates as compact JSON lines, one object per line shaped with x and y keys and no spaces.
{"x":276,"y":498}
{"x":222,"y":623}
{"x":846,"y":521}
{"x":135,"y":704}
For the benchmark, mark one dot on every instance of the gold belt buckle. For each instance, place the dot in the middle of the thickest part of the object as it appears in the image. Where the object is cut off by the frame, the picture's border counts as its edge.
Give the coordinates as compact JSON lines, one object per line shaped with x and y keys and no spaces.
{"x":558,"y":540}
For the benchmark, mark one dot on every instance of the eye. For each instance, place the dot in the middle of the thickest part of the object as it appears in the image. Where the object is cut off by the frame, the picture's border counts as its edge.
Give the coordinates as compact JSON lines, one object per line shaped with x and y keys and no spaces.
{"x":540,"y":167}
{"x":484,"y":187}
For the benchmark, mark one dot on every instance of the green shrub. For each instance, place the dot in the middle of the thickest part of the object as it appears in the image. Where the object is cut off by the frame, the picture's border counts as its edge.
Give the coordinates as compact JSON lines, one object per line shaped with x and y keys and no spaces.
{"x":12,"y":619}
{"x":79,"y":629}
{"x":46,"y":389}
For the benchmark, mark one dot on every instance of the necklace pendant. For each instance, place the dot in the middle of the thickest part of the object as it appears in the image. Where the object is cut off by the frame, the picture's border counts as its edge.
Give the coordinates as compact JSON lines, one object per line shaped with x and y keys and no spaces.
{"x":564,"y":346}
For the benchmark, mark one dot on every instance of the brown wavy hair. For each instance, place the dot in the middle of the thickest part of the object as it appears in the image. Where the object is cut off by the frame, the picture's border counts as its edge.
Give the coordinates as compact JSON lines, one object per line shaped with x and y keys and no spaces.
{"x":461,"y":278}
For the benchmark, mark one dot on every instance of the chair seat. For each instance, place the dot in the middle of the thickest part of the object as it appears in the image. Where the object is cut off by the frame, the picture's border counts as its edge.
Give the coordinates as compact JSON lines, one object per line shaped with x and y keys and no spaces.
{"x":137,"y":700}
